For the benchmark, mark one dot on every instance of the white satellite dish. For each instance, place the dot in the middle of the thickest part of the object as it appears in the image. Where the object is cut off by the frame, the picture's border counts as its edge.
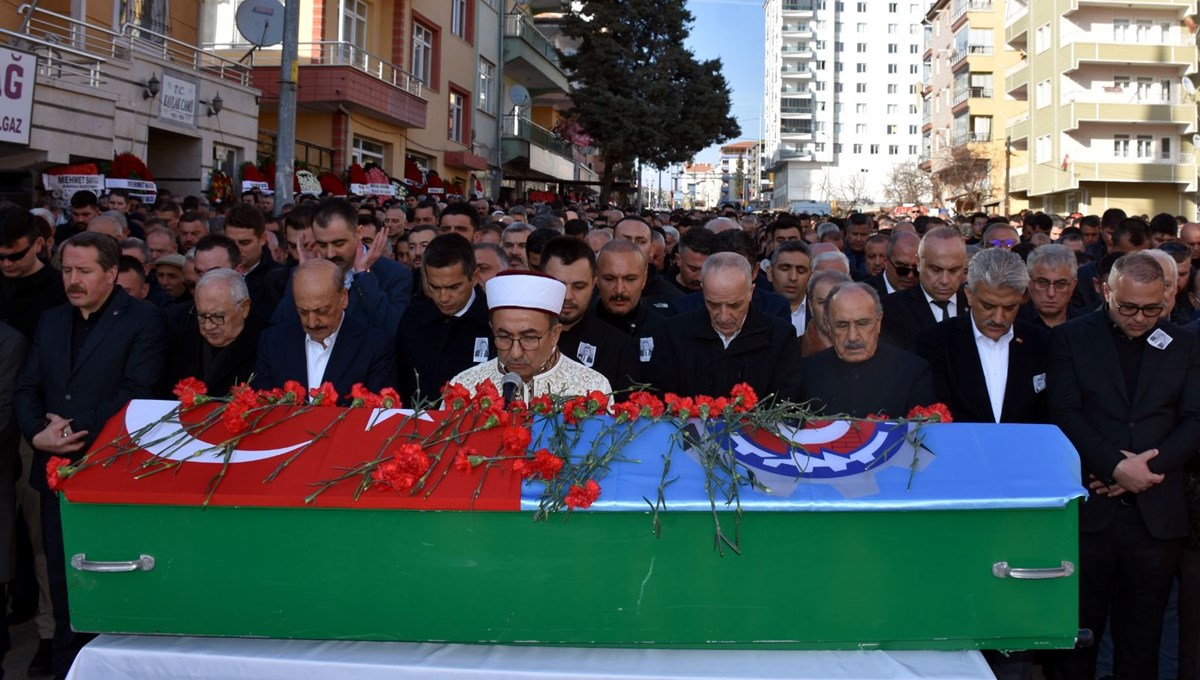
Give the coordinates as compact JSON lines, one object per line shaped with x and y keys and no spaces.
{"x":1188,"y":86}
{"x":518,"y":95}
{"x":260,"y":22}
{"x":1196,"y":140}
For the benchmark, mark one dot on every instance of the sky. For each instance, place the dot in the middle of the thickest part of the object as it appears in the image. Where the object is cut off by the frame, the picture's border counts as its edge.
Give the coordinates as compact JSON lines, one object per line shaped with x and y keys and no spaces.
{"x":734,"y":31}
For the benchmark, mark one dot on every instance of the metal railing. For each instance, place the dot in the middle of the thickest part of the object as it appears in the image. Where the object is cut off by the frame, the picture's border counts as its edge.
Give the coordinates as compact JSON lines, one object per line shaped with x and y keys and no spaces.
{"x":337,"y":53}
{"x":522,"y":128}
{"x":970,"y":6}
{"x":966,"y":93}
{"x":797,"y":5}
{"x":317,"y":158}
{"x":518,"y":26}
{"x":970,"y":137}
{"x":77,"y":50}
{"x":968,"y":50}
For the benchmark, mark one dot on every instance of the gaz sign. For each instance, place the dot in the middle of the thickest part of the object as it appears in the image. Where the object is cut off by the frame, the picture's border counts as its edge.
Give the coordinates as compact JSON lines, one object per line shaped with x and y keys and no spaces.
{"x":18,"y":71}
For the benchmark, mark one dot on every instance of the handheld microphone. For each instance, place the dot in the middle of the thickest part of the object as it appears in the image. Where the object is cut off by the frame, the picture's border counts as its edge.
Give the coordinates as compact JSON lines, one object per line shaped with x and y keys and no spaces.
{"x":508,"y":386}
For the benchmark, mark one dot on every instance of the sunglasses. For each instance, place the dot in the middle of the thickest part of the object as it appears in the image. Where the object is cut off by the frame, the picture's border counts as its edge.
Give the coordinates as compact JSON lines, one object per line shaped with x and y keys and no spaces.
{"x":903,"y":270}
{"x":1005,"y":243}
{"x":16,"y":257}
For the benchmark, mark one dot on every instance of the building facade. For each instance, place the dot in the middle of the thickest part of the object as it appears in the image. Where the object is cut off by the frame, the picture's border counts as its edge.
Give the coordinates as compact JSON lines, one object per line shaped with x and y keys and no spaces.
{"x":1106,"y":120}
{"x":842,"y":95}
{"x":109,"y":78}
{"x":965,"y":107}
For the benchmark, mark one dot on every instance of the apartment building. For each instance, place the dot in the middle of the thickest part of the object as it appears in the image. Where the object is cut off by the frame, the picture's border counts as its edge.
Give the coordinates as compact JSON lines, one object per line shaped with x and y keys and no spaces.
{"x":91,"y":80}
{"x":965,"y":110}
{"x":1106,"y":121}
{"x":842,"y":95}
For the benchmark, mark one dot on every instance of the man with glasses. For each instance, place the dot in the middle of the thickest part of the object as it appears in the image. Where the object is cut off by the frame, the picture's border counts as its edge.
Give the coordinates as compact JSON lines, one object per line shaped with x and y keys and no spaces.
{"x":1000,"y":236}
{"x":220,"y":341}
{"x":524,"y":311}
{"x":1121,"y":387}
{"x":1052,"y":281}
{"x":28,"y":286}
{"x":900,"y":268}
{"x":937,"y":295}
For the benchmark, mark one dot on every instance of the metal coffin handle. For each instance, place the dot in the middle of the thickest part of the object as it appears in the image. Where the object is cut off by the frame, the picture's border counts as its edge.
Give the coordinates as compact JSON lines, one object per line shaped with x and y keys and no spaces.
{"x":1003,"y":570}
{"x":81,"y":563}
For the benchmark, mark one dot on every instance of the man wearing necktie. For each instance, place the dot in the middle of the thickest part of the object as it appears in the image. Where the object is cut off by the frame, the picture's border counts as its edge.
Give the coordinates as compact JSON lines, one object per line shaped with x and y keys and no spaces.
{"x":941,"y":270}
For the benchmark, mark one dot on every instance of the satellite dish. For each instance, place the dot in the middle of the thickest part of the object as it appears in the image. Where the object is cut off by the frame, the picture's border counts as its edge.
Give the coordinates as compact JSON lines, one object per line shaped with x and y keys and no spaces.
{"x":260,"y":22}
{"x":1195,"y":140}
{"x":1188,"y":85}
{"x":518,"y":95}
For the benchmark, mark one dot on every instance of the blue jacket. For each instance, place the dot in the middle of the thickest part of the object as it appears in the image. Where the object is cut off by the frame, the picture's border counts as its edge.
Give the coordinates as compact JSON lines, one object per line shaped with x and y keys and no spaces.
{"x":360,"y":355}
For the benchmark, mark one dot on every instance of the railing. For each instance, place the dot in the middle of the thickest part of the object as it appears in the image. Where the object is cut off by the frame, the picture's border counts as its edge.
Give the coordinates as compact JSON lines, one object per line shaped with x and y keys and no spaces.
{"x":1018,"y":119}
{"x":971,"y":137}
{"x":797,"y":5}
{"x":317,"y":158}
{"x":74,"y":49}
{"x":970,"y":6}
{"x":807,"y":110}
{"x":518,"y":26}
{"x":966,"y":93}
{"x":1187,"y":159}
{"x":333,"y":53}
{"x":961,"y":54}
{"x":783,"y":130}
{"x":522,"y":128}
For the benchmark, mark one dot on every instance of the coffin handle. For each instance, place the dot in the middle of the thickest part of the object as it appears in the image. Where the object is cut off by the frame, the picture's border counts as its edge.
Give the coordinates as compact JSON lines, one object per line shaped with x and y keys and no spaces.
{"x":81,"y":563}
{"x":1003,"y":570}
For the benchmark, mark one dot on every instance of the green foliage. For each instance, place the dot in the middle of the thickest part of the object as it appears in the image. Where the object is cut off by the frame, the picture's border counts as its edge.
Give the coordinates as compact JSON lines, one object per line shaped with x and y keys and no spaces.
{"x":639,"y":92}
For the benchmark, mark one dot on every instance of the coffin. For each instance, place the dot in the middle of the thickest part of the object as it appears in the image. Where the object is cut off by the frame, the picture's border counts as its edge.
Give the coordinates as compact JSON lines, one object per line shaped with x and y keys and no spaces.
{"x":968,"y":541}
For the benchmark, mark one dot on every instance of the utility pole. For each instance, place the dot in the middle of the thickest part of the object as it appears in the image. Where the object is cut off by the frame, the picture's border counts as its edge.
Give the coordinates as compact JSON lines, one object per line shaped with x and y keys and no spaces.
{"x":285,"y":139}
{"x":1007,"y":171}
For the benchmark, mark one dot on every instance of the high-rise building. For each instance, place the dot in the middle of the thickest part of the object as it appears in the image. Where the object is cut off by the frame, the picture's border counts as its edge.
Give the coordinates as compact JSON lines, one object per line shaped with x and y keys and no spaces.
{"x":842,"y":97}
{"x":1107,"y":122}
{"x":966,"y":109}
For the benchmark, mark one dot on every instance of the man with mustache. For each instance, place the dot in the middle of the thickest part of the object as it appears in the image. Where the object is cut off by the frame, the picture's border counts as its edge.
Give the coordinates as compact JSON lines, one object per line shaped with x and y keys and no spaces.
{"x":988,"y":367}
{"x":378,"y":289}
{"x":621,"y":274}
{"x":941,"y":268}
{"x":859,"y":376}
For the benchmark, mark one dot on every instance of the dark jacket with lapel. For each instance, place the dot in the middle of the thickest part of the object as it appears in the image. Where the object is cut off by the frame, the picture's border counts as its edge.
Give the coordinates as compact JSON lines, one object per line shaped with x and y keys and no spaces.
{"x":693,"y":361}
{"x":438,"y":347}
{"x":768,"y":302}
{"x":1090,"y":402}
{"x":906,"y":313}
{"x":234,"y":364}
{"x":360,"y":355}
{"x":958,"y":380}
{"x":890,"y":382}
{"x":378,"y":298}
{"x":124,"y":358}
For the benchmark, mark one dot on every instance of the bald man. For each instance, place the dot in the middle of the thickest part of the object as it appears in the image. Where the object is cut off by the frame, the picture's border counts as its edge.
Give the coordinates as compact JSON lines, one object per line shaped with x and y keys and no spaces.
{"x":321,"y":343}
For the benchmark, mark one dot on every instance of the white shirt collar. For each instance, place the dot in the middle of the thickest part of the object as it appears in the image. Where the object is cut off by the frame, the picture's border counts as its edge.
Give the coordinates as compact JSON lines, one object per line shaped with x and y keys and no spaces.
{"x":979,"y":336}
{"x":800,"y":317}
{"x":328,"y":341}
{"x":467,"y":306}
{"x":951,"y":309}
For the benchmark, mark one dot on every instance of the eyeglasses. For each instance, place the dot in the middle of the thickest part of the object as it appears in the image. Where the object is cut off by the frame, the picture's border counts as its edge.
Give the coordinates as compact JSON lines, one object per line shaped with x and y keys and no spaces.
{"x":1149,"y":311}
{"x":214,"y":319}
{"x":527,"y":342}
{"x":1003,"y":243}
{"x":902,"y":269}
{"x":16,"y":257}
{"x":1060,"y":285}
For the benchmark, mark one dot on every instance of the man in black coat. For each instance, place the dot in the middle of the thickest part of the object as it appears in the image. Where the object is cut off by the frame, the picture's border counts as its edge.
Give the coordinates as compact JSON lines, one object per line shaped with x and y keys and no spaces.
{"x":446,"y":331}
{"x":12,"y":355}
{"x":859,"y":376}
{"x":87,"y":360}
{"x":219,"y":342}
{"x":327,"y":345}
{"x":28,"y":286}
{"x":247,"y":227}
{"x":765,"y":300}
{"x":585,"y":338}
{"x":709,"y":351}
{"x":988,"y":367}
{"x":621,"y":271}
{"x":942,"y":267}
{"x":901,"y":266}
{"x":1122,"y":386}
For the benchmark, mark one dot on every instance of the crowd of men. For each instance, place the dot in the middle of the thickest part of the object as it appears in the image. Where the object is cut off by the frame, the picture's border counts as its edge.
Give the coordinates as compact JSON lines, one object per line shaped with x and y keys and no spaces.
{"x":1081,"y":321}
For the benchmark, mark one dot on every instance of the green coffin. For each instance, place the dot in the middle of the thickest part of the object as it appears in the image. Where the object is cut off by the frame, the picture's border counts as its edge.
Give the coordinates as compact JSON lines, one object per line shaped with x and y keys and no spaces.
{"x":972,"y":548}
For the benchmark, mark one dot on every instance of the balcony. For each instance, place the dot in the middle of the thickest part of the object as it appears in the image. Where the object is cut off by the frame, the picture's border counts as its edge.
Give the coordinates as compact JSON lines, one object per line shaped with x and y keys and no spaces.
{"x":531,"y":58}
{"x":1183,"y":115}
{"x":1077,"y":53}
{"x":797,"y":8}
{"x":792,"y":153}
{"x":1181,"y":172}
{"x":793,"y":52}
{"x":802,"y":110}
{"x":966,"y":93}
{"x":340,"y":73}
{"x":536,"y":151}
{"x":973,"y":138}
{"x":796,"y":72}
{"x":1018,"y":179}
{"x":1018,"y":127}
{"x":796,"y":32}
{"x":1016,"y":78}
{"x":968,"y":6}
{"x":796,"y":134}
{"x":969,"y":51}
{"x":1016,"y":27}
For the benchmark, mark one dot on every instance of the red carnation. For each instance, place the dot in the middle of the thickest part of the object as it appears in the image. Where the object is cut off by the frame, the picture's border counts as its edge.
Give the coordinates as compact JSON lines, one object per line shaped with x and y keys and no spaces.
{"x":324,"y":395}
{"x":294,"y":392}
{"x":582,"y":496}
{"x":455,"y":396}
{"x":543,"y":405}
{"x":234,"y":415}
{"x":462,"y":461}
{"x":515,"y":441}
{"x":744,"y":397}
{"x":486,"y":394}
{"x":390,"y":398}
{"x":362,"y":397}
{"x":626,"y":411}
{"x":191,"y":392}
{"x":597,"y":402}
{"x":682,"y":407}
{"x":544,"y":464}
{"x":403,"y":470}
{"x":648,"y":404}
{"x":937,"y":412}
{"x":574,"y":410}
{"x":57,"y":469}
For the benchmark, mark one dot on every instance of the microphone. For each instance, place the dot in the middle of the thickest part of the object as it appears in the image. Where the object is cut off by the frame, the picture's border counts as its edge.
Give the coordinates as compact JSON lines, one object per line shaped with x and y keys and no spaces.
{"x":508,"y":386}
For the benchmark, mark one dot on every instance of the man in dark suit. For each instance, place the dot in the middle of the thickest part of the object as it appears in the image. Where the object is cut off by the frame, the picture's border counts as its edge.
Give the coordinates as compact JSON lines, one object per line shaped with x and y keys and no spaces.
{"x":219,"y":342}
{"x":379,"y":289}
{"x":942,"y":267}
{"x":446,"y":331}
{"x":247,"y":227}
{"x":12,"y":355}
{"x":764,"y":300}
{"x":1052,"y":281}
{"x":726,"y":342}
{"x":87,"y":360}
{"x":327,"y":345}
{"x":1122,"y":388}
{"x":987,"y":366}
{"x":900,"y":267}
{"x":859,"y":376}
{"x":28,"y":286}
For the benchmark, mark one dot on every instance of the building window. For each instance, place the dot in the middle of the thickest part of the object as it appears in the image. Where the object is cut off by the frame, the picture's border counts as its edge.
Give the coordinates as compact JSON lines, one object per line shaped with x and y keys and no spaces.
{"x":1120,"y":30}
{"x":1121,"y":146}
{"x":1145,"y":147}
{"x":457,"y":116}
{"x":364,"y":151}
{"x":860,"y":68}
{"x":422,"y":53}
{"x":860,"y":128}
{"x":893,"y":109}
{"x":1042,"y":94}
{"x":354,"y":24}
{"x":458,"y":18}
{"x":893,"y":48}
{"x":152,"y":16}
{"x":892,"y":129}
{"x":892,"y":69}
{"x":860,"y":88}
{"x":486,"y":86}
{"x":893,"y":88}
{"x":893,"y":149}
{"x":874,"y":149}
{"x":1041,"y":39}
{"x":857,"y":148}
{"x":1043,"y":148}
{"x":1164,"y":148}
